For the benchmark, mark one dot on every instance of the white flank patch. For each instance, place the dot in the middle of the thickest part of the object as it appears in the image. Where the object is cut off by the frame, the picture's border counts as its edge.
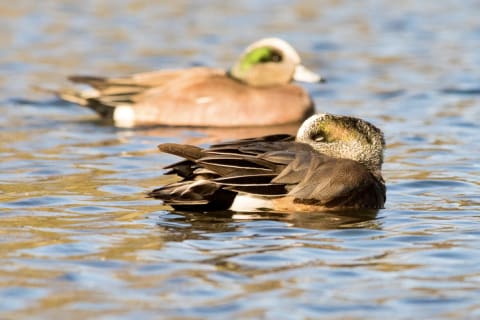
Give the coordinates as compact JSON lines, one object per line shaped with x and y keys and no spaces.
{"x":123,"y":116}
{"x":249,"y":203}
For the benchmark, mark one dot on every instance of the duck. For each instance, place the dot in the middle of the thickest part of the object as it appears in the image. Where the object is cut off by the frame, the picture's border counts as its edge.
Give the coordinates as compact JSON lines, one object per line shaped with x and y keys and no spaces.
{"x":333,"y":163}
{"x":256,"y":91}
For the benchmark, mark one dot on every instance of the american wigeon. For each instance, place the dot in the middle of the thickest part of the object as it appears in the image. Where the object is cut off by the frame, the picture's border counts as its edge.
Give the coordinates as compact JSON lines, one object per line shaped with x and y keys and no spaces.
{"x":256,"y":91}
{"x":333,"y":163}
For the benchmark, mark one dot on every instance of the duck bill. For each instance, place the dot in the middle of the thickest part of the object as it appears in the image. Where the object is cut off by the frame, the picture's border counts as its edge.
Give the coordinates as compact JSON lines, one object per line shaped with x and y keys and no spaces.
{"x":302,"y":74}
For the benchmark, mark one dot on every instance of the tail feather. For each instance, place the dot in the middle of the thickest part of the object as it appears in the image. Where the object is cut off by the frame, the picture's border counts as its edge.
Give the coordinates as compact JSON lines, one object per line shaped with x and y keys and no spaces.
{"x":197,"y":196}
{"x":87,"y":98}
{"x":72,"y":96}
{"x":103,"y":94}
{"x":69,"y":95}
{"x":96,"y":82}
{"x":188,"y":152}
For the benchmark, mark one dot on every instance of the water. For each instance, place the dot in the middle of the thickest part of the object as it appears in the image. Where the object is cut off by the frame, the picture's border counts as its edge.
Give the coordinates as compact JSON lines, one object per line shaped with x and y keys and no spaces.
{"x":78,"y":238}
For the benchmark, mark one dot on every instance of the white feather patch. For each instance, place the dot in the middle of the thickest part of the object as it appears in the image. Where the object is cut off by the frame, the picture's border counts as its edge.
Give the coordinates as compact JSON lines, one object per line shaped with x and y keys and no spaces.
{"x":124,"y":116}
{"x":249,"y":203}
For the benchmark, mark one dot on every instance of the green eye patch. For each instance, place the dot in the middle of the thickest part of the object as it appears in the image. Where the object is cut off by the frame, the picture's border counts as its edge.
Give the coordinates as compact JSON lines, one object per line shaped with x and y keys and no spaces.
{"x":260,"y":55}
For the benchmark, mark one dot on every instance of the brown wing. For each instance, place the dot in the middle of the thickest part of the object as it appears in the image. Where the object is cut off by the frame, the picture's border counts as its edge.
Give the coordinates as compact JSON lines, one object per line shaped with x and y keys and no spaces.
{"x":310,"y":178}
{"x":217,"y":100}
{"x":199,"y":188}
{"x":317,"y":179}
{"x":111,"y":92}
{"x":272,"y":166}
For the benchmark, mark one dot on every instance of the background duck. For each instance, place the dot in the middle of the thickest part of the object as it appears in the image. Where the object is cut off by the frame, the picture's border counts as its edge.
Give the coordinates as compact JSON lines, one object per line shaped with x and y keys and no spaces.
{"x":333,"y":163}
{"x":256,"y":91}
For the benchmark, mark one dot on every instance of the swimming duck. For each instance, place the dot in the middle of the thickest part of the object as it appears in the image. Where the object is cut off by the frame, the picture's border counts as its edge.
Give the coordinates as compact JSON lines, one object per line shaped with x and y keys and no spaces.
{"x":334,"y":162}
{"x":256,"y":91}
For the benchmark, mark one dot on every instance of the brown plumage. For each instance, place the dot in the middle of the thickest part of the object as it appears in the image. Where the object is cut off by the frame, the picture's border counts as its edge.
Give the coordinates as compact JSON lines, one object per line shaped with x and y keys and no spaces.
{"x":256,"y":91}
{"x":292,"y":175}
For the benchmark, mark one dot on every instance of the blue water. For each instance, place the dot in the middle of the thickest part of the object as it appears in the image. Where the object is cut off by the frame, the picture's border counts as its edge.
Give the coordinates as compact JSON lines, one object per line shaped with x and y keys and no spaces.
{"x":78,"y":238}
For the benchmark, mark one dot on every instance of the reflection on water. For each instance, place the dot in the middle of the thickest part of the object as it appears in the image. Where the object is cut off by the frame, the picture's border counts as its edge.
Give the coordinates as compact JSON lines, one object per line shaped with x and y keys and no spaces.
{"x":197,"y":225}
{"x":78,"y":237}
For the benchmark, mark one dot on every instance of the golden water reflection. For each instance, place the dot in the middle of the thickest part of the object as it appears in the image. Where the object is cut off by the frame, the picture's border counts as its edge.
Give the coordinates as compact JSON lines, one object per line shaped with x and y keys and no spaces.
{"x":79,"y":239}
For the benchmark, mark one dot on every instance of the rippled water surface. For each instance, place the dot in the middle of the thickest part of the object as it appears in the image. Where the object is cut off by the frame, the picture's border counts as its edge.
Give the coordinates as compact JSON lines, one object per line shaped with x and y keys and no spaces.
{"x":78,"y":238}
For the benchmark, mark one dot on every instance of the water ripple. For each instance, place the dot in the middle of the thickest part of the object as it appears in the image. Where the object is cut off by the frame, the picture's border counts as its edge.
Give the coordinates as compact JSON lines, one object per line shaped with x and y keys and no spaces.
{"x":79,"y":239}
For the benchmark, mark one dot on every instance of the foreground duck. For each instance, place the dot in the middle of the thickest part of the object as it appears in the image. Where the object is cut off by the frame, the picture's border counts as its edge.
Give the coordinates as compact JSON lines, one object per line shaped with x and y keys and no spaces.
{"x":256,"y":91}
{"x":333,"y":163}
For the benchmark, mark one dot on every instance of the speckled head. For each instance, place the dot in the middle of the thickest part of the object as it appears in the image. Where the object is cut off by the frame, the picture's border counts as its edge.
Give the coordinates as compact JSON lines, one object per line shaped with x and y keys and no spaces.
{"x":344,"y":137}
{"x":269,"y":62}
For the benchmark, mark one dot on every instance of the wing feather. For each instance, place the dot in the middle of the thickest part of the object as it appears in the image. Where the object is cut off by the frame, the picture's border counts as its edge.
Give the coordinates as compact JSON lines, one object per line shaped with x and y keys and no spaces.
{"x":271,"y":167}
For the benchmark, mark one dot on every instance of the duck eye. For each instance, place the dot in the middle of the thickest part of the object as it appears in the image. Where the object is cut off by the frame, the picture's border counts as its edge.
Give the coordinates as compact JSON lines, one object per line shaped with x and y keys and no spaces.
{"x":272,"y":56}
{"x":319,"y":138}
{"x":276,"y":57}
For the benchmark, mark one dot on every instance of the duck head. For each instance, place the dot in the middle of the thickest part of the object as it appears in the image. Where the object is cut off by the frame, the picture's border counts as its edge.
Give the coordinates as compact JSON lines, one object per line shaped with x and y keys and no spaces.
{"x":270,"y":62}
{"x":344,"y":137}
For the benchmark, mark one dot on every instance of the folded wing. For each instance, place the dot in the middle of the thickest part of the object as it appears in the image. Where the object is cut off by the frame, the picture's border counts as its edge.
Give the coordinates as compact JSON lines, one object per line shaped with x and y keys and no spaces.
{"x":269,"y":167}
